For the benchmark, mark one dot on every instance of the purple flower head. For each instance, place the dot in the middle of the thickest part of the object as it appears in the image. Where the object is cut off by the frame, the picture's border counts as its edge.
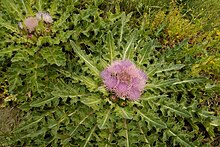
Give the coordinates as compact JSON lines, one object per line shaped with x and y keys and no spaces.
{"x":124,"y":79}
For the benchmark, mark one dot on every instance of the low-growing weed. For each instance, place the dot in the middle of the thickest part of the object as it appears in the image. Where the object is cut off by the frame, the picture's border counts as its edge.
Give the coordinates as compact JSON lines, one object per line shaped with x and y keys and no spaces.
{"x":65,"y":62}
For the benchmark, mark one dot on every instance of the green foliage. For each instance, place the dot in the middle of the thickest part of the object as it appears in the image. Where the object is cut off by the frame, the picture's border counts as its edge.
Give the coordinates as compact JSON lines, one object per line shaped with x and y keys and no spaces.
{"x":55,"y":75}
{"x":175,"y":27}
{"x":5,"y":96}
{"x":207,"y":11}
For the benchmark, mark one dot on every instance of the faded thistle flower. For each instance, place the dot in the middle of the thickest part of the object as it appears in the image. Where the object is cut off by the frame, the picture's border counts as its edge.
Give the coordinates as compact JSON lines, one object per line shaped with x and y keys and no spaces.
{"x":20,"y":25}
{"x":44,"y":16}
{"x":31,"y":23}
{"x":124,"y":79}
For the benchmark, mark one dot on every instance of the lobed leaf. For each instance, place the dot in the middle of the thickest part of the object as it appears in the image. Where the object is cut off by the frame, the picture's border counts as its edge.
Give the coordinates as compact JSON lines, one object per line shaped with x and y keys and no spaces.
{"x":84,"y":58}
{"x":89,"y":136}
{"x":103,"y":119}
{"x":111,"y":45}
{"x":191,"y":80}
{"x":28,"y":125}
{"x":92,"y":101}
{"x":20,"y":56}
{"x":177,"y":110}
{"x":42,"y":102}
{"x":128,"y":48}
{"x":172,"y":67}
{"x":9,"y":50}
{"x":54,"y":55}
{"x":126,"y":113}
{"x":88,"y":82}
{"x":181,"y":139}
{"x":152,"y":120}
{"x":84,"y":118}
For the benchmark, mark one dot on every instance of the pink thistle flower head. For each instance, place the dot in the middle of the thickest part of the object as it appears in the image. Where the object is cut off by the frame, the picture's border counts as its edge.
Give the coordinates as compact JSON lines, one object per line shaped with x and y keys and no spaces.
{"x":124,"y":79}
{"x":31,"y":23}
{"x":44,"y":16}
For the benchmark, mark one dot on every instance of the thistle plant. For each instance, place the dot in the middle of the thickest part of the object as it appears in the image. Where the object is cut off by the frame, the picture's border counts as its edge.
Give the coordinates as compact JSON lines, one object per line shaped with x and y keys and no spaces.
{"x":124,"y":79}
{"x":101,"y":78}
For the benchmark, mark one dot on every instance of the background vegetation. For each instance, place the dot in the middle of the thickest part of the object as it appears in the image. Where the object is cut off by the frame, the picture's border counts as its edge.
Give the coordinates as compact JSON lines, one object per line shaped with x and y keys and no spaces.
{"x":51,"y":92}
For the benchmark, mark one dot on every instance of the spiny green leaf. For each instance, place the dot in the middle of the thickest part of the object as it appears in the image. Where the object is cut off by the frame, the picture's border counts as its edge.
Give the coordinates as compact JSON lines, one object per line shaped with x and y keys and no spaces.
{"x":146,"y":51}
{"x":192,"y":80}
{"x":34,"y":82}
{"x":35,"y":134}
{"x":152,"y":120}
{"x":25,"y":8}
{"x":215,"y":122}
{"x":214,"y":87}
{"x":9,"y":27}
{"x":54,"y":55}
{"x":92,"y":101}
{"x":124,"y":20}
{"x":126,"y":113}
{"x":9,"y":50}
{"x":9,"y":4}
{"x":134,"y":49}
{"x":39,"y":5}
{"x":153,"y":97}
{"x":90,"y":135}
{"x":111,"y":45}
{"x":63,"y":18}
{"x":20,"y":56}
{"x":64,"y":91}
{"x":103,"y":118}
{"x":84,"y":57}
{"x":173,"y":67}
{"x":109,"y":135}
{"x":205,"y":114}
{"x":64,"y":36}
{"x":44,"y":40}
{"x":181,"y":139}
{"x":28,"y":125}
{"x":128,"y":47}
{"x":42,"y":102}
{"x":142,"y":132}
{"x":182,"y":112}
{"x":71,"y":134}
{"x":88,"y":82}
{"x":161,"y":83}
{"x":88,"y":12}
{"x":14,"y":80}
{"x":126,"y":133}
{"x":31,"y":51}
